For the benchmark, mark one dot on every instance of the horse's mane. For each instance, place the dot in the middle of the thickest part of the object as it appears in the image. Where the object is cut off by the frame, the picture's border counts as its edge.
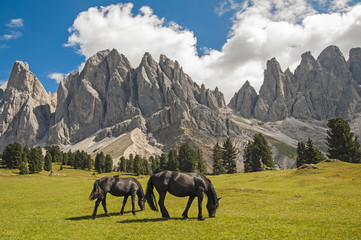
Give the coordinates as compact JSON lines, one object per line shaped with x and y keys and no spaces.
{"x":211,"y":189}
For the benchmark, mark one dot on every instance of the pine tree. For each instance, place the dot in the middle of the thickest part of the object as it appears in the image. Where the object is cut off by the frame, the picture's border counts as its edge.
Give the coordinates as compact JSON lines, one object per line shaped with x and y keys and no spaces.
{"x":163,"y":162}
{"x":341,"y":142}
{"x":313,"y":155}
{"x":36,"y":160}
{"x":173,"y":163}
{"x":122,"y":164}
{"x":130,"y":163}
{"x":154,"y":164}
{"x":200,"y":163}
{"x":100,"y":162}
{"x":257,"y":154}
{"x":229,"y":156}
{"x":264,"y":150}
{"x":24,"y":164}
{"x":48,"y":162}
{"x":12,"y":155}
{"x":108,"y":163}
{"x":187,"y":158}
{"x":146,"y":170}
{"x":301,"y":154}
{"x":138,"y":165}
{"x":217,"y":155}
{"x":65,"y":159}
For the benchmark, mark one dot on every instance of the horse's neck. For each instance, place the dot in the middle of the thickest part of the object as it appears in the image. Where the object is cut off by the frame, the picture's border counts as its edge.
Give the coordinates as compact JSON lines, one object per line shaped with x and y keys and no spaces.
{"x":211,"y":193}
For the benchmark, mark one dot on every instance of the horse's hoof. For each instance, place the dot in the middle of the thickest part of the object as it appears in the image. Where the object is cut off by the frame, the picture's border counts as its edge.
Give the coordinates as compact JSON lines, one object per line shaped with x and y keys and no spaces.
{"x":94,"y":217}
{"x":122,"y":213}
{"x":166,"y":218}
{"x":201,"y":219}
{"x":107,"y":214}
{"x":185,"y":217}
{"x":134,"y":214}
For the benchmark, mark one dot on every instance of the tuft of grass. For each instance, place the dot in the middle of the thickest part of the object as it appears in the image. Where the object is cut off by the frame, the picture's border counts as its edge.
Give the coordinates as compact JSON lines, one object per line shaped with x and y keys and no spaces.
{"x":288,"y":204}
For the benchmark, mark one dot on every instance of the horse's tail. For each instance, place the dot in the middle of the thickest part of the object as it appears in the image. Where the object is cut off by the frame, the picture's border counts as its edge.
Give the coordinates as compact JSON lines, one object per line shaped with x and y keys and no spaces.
{"x":149,"y":195}
{"x":97,"y":191}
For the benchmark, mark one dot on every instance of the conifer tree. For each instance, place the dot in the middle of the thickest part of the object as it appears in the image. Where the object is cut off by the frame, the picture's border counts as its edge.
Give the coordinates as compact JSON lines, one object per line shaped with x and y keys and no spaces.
{"x":100,"y":162}
{"x":301,"y":154}
{"x":138,"y":165}
{"x":257,"y":154}
{"x":217,"y":155}
{"x":229,"y":156}
{"x":122,"y":164}
{"x":108,"y":164}
{"x":48,"y":162}
{"x":154,"y":164}
{"x":24,"y":164}
{"x":173,"y":163}
{"x":200,"y":163}
{"x":187,"y":158}
{"x":163,"y":162}
{"x":12,"y":155}
{"x":36,"y":160}
{"x":130,"y":163}
{"x":342,"y":143}
{"x":313,"y":155}
{"x":146,"y":170}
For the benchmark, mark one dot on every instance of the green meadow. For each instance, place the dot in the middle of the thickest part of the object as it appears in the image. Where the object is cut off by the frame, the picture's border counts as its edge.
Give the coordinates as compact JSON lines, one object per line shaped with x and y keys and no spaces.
{"x":289,"y":204}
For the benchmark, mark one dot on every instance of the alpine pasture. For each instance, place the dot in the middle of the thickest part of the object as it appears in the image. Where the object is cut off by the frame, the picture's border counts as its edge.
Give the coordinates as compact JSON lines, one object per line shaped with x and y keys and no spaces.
{"x":288,"y":204}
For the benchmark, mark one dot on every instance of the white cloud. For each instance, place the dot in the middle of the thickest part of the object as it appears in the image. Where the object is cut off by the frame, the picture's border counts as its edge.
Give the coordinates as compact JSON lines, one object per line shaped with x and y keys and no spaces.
{"x":15,"y":23}
{"x":261,"y":30}
{"x":57,"y":76}
{"x":13,"y":34}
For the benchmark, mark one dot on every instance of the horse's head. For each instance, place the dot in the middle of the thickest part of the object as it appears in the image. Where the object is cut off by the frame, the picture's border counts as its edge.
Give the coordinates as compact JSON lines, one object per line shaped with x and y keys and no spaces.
{"x":212,"y":207}
{"x":141,"y":203}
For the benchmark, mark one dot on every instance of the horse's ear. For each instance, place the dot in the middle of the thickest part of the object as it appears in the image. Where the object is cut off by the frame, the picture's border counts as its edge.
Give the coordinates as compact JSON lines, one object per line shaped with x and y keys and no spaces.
{"x":218,"y":199}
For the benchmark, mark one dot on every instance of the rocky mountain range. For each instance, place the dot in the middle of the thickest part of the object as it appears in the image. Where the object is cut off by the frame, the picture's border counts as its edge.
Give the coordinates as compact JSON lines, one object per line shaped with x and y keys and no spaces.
{"x":318,"y":89}
{"x":114,"y":107}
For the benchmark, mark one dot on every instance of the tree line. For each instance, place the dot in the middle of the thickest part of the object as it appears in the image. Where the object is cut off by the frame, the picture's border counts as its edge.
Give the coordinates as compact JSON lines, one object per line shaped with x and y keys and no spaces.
{"x":341,"y":142}
{"x":186,"y":159}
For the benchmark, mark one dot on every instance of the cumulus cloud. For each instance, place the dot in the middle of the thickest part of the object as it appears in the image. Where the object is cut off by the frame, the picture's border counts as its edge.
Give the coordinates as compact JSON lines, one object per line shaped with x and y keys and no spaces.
{"x":15,"y":23}
{"x":57,"y":76}
{"x":261,"y":30}
{"x":13,"y":29}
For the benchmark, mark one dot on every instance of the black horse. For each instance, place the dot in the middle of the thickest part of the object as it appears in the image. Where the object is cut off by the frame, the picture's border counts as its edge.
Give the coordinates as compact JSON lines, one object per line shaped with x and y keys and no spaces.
{"x":182,"y":185}
{"x":117,"y":186}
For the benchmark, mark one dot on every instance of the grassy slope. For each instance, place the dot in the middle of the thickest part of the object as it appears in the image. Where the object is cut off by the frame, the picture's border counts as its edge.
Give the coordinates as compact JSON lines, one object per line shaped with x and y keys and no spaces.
{"x":289,"y":204}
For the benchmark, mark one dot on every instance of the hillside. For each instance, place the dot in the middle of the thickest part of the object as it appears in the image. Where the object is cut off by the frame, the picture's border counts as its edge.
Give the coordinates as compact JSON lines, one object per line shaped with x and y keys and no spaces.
{"x":288,"y":204}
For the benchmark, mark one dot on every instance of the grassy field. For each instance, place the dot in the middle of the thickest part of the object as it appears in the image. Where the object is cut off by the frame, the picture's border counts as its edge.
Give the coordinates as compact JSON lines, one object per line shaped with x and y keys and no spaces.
{"x":289,"y":204}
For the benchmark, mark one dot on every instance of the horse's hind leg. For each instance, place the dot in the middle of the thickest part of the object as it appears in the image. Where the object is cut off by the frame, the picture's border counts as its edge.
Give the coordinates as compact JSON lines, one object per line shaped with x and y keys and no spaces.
{"x":104,"y":203}
{"x":97,"y":202}
{"x":164,"y":211}
{"x":185,"y":213}
{"x":124,"y":202}
{"x":133,"y":202}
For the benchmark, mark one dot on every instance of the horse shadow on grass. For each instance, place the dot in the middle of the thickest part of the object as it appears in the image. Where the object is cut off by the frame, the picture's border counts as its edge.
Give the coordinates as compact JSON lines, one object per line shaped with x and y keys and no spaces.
{"x":153,"y":220}
{"x":98,"y":216}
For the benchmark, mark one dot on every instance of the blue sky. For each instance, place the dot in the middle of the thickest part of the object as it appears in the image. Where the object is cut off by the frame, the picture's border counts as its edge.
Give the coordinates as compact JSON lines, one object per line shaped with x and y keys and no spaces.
{"x":219,"y":43}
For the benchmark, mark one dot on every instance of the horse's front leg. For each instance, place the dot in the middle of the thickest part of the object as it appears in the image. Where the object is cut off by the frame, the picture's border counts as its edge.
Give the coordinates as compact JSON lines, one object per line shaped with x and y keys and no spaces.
{"x":164,"y":211}
{"x":200,"y":200}
{"x":133,"y":202}
{"x":185,"y":213}
{"x":104,"y":203}
{"x":124,"y":202}
{"x":97,"y":202}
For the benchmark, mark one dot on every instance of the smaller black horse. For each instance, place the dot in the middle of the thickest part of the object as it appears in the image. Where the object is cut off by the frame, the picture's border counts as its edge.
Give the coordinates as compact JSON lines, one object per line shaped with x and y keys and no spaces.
{"x":117,"y":186}
{"x":182,"y":185}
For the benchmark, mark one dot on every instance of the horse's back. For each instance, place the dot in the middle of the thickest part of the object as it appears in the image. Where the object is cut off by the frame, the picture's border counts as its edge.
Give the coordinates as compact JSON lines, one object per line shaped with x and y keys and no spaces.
{"x":178,"y":184}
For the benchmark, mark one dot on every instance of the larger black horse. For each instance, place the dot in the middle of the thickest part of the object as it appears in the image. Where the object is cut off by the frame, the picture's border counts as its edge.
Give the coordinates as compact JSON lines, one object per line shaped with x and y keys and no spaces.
{"x":118,"y":187}
{"x":182,"y":185}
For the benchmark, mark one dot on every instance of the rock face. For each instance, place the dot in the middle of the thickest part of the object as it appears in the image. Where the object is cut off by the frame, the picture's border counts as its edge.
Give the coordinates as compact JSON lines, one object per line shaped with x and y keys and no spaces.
{"x":25,"y":108}
{"x":318,"y":89}
{"x":110,"y":94}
